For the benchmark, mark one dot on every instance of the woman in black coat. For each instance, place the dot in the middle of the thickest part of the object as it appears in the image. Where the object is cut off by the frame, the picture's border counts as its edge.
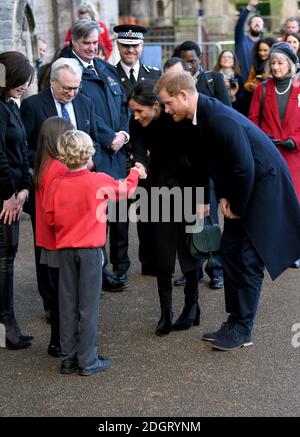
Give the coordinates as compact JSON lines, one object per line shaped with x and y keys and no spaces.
{"x":158,"y":144}
{"x":15,"y":181}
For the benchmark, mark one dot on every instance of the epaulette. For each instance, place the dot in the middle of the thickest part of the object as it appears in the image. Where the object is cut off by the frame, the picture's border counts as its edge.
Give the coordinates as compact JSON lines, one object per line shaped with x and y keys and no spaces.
{"x":148,"y":68}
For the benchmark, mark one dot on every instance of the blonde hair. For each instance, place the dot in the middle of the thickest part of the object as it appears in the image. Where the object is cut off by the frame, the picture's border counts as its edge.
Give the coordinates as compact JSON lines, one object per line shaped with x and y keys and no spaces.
{"x":88,"y":8}
{"x":75,"y":148}
{"x":174,"y":82}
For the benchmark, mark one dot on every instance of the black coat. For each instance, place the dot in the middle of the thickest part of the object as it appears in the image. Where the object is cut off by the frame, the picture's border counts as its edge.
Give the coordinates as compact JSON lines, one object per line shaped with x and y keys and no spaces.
{"x":168,"y":166}
{"x":36,"y":109}
{"x":248,"y":170}
{"x":14,"y":169}
{"x":213,"y":86}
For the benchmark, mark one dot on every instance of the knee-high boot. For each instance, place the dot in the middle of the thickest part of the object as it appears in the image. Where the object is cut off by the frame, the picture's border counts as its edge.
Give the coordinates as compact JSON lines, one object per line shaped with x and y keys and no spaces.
{"x":7,"y":317}
{"x":190,"y":314}
{"x":164,"y":283}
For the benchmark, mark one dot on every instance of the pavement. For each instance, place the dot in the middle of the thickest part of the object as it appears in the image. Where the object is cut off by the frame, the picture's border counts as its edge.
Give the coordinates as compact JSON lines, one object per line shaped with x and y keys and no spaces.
{"x":175,"y":376}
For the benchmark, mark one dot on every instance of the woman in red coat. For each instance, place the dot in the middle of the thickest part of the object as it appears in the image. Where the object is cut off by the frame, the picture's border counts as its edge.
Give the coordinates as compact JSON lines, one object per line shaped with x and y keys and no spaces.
{"x":87,"y":11}
{"x":278,"y":113}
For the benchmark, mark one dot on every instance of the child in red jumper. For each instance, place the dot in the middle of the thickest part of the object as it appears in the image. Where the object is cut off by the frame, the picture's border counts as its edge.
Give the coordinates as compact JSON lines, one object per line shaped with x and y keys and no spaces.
{"x":76,"y":208}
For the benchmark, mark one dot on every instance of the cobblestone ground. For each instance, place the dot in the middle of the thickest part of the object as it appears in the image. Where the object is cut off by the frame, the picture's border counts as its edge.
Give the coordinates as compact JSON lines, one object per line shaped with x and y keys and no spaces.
{"x":173,"y":376}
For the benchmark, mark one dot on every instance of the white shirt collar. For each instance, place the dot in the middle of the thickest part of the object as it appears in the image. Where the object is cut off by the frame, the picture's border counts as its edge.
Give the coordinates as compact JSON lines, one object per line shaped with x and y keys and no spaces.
{"x":84,"y":63}
{"x":195,"y":118}
{"x":127,"y":69}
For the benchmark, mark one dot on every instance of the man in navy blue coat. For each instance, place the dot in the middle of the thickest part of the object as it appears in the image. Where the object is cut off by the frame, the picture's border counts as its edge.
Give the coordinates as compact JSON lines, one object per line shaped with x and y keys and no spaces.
{"x":100,"y":82}
{"x":256,"y":196}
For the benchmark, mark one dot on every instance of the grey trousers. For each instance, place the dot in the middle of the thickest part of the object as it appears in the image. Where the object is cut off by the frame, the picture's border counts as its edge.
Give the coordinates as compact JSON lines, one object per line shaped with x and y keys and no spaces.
{"x":80,"y":283}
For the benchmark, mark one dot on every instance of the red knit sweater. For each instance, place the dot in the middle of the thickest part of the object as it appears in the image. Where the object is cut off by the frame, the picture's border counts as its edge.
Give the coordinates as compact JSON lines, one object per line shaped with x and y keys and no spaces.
{"x":76,"y":206}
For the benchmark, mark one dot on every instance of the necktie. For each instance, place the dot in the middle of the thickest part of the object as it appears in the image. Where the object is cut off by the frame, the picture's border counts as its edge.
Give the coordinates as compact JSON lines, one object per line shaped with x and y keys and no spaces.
{"x":92,"y":69}
{"x":64,"y":112}
{"x":131,"y":77}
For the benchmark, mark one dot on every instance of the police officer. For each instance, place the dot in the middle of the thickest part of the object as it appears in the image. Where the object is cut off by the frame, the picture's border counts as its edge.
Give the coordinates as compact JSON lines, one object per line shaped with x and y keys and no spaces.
{"x":130,"y":42}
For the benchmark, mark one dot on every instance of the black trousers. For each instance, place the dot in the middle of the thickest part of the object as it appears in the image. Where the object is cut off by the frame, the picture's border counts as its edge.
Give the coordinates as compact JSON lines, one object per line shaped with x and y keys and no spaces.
{"x":118,"y":237}
{"x":243,"y":275}
{"x":164,"y":284}
{"x":9,"y":239}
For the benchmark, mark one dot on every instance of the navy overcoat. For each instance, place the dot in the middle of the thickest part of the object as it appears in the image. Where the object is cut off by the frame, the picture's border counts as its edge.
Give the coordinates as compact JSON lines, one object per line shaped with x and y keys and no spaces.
{"x":248,"y":170}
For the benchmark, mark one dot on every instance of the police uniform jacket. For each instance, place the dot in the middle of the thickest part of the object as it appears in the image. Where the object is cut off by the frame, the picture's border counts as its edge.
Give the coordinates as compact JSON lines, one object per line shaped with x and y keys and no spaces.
{"x":249,"y":171}
{"x":145,"y":72}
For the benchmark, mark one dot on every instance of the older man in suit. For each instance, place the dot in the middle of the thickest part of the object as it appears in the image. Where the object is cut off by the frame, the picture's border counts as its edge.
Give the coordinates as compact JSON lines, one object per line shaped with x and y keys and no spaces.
{"x":256,"y":196}
{"x":62,"y":99}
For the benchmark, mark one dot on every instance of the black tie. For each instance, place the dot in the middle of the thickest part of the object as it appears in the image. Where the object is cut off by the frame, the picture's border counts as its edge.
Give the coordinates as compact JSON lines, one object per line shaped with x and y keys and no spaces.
{"x":92,"y":69}
{"x":131,"y":77}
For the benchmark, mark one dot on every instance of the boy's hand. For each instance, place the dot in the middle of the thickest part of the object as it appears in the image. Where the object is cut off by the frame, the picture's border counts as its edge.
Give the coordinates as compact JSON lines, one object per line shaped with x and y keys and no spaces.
{"x":141,"y":169}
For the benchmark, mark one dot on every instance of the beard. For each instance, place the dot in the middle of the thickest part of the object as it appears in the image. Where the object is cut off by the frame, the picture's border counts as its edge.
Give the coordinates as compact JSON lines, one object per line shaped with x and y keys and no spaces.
{"x":255,"y":32}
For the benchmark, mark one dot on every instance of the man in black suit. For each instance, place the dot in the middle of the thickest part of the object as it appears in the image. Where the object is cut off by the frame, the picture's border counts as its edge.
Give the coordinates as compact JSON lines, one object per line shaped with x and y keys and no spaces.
{"x":60,"y":99}
{"x":256,"y":196}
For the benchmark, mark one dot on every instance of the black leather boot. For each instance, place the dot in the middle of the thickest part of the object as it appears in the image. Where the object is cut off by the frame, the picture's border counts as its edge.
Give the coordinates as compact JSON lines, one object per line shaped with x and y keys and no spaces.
{"x":164,"y":326}
{"x":8,"y":249}
{"x":164,"y":282}
{"x":190,"y":316}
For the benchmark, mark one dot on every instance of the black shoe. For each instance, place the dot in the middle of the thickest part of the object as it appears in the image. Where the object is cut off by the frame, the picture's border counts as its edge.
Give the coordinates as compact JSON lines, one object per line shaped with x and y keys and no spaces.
{"x":54,"y":350}
{"x":111,"y":284}
{"x":190,"y":316}
{"x":164,"y":326}
{"x":216,"y":283}
{"x":69,"y":365}
{"x":296,"y":264}
{"x":19,"y":345}
{"x":180,"y":281}
{"x":121,"y":279}
{"x":25,"y":337}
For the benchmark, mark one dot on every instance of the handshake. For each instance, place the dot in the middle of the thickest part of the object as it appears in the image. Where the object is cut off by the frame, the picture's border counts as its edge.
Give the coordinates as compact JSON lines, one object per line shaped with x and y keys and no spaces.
{"x":287,"y":144}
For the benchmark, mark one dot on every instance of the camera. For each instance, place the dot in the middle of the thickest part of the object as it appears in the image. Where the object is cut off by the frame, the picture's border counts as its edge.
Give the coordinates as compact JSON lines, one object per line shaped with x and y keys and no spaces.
{"x":233,"y":82}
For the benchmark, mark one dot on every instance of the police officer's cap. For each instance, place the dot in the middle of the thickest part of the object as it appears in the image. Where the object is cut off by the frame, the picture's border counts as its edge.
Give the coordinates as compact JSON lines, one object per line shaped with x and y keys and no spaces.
{"x":130,"y":33}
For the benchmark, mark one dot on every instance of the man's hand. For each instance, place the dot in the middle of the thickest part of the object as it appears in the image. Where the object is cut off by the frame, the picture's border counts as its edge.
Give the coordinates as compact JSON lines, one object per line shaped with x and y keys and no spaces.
{"x":10,"y":210}
{"x":141,"y":169}
{"x":202,"y":210}
{"x":118,"y":142}
{"x":225,"y":209}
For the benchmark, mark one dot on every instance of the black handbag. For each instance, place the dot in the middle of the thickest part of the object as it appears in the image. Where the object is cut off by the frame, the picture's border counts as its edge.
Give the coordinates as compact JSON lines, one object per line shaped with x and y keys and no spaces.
{"x":206,"y":243}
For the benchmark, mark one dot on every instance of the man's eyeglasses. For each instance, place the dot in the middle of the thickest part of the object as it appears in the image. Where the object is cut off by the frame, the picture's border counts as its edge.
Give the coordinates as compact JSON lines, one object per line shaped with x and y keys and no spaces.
{"x":68,"y":89}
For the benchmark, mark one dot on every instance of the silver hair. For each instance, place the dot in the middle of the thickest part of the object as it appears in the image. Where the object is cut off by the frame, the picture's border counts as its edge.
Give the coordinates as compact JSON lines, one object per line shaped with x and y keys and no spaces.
{"x":83,"y":28}
{"x":292,"y":66}
{"x":69,"y":64}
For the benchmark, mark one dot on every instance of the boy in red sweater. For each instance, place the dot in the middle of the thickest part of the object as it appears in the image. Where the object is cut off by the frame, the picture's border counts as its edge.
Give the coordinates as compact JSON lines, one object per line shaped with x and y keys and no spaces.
{"x":76,"y":207}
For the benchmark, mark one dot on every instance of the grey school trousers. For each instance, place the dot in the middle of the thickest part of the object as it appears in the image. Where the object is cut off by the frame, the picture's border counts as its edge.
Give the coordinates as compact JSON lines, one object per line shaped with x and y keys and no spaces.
{"x":80,"y":283}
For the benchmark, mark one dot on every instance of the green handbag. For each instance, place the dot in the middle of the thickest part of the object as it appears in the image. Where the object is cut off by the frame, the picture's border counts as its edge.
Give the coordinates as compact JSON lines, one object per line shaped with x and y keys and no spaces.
{"x":206,"y":243}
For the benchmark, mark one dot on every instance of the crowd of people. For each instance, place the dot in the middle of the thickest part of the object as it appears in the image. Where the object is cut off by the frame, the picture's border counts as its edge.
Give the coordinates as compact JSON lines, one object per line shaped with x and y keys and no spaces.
{"x":95,"y":131}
